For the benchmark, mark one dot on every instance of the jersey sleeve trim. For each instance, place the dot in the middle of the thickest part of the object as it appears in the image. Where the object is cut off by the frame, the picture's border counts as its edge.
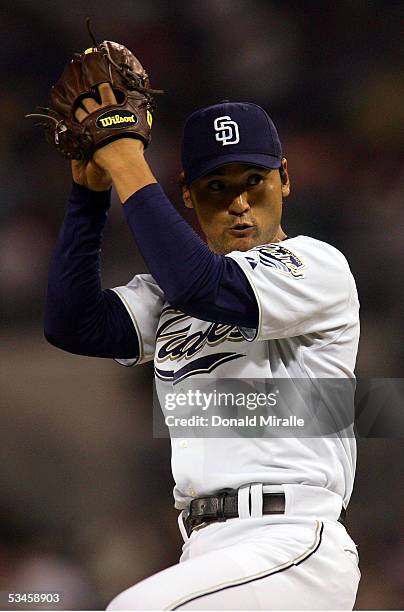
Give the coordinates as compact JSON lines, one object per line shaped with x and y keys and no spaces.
{"x":249,"y":334}
{"x":135,"y":361}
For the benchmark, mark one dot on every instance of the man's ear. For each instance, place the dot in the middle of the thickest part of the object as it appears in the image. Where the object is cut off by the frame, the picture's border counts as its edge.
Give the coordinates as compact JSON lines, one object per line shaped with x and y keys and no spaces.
{"x":285,"y":180}
{"x":186,"y":193}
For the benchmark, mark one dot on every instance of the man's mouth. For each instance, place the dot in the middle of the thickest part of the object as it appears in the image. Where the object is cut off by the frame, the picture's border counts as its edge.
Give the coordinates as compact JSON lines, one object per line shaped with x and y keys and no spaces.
{"x":241,"y":229}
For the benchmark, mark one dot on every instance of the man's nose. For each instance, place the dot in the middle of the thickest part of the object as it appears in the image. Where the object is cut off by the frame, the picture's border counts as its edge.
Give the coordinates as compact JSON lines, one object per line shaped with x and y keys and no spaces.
{"x":239,"y":204}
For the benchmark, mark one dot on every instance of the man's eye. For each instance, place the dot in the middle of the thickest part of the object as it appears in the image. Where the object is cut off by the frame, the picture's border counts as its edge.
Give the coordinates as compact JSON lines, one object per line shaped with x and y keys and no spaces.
{"x":255,"y":179}
{"x":216,"y":185}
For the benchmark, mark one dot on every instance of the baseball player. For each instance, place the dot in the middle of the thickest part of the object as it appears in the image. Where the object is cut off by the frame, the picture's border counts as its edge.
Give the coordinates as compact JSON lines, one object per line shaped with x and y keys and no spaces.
{"x":262,"y":518}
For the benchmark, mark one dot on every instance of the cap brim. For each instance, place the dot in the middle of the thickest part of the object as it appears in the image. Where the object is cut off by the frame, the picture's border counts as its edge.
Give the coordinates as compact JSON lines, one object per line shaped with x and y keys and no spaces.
{"x":256,"y":159}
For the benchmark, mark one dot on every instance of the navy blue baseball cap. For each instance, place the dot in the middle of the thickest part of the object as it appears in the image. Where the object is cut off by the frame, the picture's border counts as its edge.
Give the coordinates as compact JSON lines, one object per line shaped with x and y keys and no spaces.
{"x":226,"y":133}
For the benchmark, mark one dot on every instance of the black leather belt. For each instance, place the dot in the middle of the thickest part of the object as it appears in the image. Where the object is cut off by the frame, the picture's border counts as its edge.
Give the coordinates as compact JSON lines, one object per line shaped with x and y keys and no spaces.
{"x":219,"y":508}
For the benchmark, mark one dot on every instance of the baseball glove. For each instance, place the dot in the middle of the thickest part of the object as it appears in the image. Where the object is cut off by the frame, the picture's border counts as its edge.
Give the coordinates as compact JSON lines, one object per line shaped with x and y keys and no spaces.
{"x":129,"y":117}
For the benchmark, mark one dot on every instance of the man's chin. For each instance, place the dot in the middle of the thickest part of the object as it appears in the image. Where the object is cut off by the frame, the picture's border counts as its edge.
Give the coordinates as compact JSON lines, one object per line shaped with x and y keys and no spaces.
{"x":239,"y":244}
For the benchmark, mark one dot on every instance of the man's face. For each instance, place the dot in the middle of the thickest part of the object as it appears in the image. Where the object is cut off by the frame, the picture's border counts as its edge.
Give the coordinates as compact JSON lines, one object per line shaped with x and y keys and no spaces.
{"x":239,"y":206}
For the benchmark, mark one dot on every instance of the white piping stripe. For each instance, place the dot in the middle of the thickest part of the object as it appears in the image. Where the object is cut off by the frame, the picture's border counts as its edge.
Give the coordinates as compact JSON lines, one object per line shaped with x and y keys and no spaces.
{"x":135,"y":324}
{"x":263,"y":574}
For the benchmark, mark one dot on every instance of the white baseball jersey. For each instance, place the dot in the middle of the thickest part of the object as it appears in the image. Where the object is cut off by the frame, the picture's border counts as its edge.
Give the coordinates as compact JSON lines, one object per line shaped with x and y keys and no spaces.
{"x":308,"y":328}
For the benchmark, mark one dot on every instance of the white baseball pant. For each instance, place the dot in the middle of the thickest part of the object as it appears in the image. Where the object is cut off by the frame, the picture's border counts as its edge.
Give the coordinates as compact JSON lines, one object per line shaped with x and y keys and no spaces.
{"x":271,"y":562}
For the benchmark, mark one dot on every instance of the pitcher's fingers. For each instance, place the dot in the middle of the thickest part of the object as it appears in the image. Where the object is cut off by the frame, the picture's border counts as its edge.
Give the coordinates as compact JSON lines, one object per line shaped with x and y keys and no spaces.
{"x":107,"y":94}
{"x":90,"y":105}
{"x":80,"y":114}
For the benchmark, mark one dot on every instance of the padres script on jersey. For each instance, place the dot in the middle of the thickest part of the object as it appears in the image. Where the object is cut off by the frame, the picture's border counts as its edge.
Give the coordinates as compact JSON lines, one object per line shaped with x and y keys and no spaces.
{"x":308,"y":328}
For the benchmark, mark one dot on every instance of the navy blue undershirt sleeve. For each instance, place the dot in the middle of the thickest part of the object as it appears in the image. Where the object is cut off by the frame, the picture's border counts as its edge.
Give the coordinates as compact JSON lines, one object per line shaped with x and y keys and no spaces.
{"x":195,"y":280}
{"x":80,"y":317}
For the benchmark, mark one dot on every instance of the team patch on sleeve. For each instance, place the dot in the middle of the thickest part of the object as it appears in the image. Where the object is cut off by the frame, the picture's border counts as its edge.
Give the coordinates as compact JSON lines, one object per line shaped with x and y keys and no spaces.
{"x":276,"y":256}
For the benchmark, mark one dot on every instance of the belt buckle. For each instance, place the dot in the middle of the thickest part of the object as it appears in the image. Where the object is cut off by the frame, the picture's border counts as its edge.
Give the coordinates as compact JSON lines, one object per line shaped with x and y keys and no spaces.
{"x":191,"y":522}
{"x":186,"y":520}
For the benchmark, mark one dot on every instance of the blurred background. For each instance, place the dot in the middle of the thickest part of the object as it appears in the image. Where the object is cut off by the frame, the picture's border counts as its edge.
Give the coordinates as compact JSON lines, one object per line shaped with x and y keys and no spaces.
{"x":85,"y":490}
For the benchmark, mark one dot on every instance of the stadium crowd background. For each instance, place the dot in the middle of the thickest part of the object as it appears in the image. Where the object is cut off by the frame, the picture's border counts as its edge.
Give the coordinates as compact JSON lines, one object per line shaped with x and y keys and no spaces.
{"x":85,"y":495}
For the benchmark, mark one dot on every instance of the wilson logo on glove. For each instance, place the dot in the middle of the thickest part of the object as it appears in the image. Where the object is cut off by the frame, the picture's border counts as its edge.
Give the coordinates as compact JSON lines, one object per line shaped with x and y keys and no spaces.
{"x":113,"y":119}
